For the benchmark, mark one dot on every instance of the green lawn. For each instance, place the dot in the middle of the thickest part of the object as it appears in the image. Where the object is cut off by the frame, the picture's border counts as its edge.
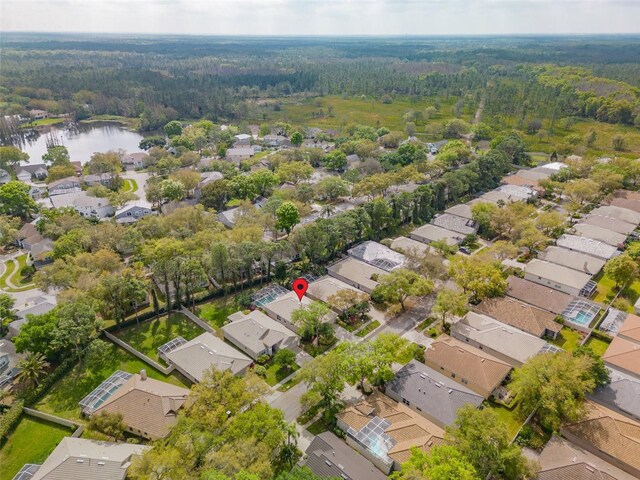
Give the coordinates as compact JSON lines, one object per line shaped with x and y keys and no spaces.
{"x":43,"y":121}
{"x":606,"y":291}
{"x":567,"y":339}
{"x":17,"y":279}
{"x":62,"y":399}
{"x":317,"y":427}
{"x":12,"y":272}
{"x":150,"y":335}
{"x":368,"y":329}
{"x":508,"y":416}
{"x":215,"y":313}
{"x":275,"y":374}
{"x":9,"y":268}
{"x":129,"y":185}
{"x":31,"y":442}
{"x":597,"y":345}
{"x":363,"y":110}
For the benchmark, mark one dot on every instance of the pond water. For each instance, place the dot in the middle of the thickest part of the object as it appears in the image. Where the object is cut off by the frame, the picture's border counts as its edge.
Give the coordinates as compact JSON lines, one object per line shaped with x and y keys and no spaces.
{"x":82,"y":140}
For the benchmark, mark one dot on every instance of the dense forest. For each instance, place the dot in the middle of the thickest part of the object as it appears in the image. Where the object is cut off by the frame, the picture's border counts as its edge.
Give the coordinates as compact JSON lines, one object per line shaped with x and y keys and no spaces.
{"x":157,"y":79}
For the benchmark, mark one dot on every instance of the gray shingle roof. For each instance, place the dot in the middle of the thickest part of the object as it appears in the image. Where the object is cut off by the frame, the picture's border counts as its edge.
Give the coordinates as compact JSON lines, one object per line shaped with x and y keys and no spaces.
{"x":622,"y":393}
{"x":455,"y":223}
{"x":435,"y":394}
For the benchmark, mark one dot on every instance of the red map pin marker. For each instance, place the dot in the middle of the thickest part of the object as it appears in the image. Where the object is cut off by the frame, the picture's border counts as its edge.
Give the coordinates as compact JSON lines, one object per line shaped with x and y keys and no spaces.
{"x":300,"y":287}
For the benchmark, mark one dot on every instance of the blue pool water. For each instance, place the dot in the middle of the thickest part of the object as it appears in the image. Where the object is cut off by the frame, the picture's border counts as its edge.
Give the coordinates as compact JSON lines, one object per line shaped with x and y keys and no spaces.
{"x":582,"y":318}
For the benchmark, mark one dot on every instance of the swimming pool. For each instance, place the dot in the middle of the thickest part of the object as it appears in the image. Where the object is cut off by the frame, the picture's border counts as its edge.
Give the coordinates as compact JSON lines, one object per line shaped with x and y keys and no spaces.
{"x":580,"y":312}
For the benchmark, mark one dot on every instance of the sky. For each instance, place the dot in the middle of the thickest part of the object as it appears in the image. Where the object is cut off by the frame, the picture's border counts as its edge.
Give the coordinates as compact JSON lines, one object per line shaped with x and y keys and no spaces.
{"x":322,"y":17}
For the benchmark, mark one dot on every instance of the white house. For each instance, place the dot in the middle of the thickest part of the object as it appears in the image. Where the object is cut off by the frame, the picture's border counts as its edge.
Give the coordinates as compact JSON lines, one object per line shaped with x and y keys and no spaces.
{"x":238,"y":154}
{"x":64,"y":185}
{"x":134,"y":161}
{"x":243,"y":139}
{"x":132,"y":212}
{"x":93,"y":207}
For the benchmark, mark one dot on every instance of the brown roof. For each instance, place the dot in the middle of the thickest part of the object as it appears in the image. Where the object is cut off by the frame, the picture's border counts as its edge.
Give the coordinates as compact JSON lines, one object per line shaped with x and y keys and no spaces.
{"x":626,"y":203}
{"x":521,"y":181}
{"x":628,"y":194}
{"x":408,"y":428}
{"x":630,"y":328}
{"x":520,"y":315}
{"x":148,"y":406}
{"x":467,"y":362}
{"x":609,"y":432}
{"x":537,"y":295}
{"x":27,"y":230}
{"x":624,"y":354}
{"x":562,"y":460}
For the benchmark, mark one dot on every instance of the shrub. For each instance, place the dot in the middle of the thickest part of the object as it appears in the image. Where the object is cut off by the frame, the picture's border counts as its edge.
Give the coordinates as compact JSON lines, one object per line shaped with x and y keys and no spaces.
{"x":244,"y":299}
{"x":262,"y":359}
{"x":27,"y":271}
{"x":10,"y":420}
{"x":260,"y":371}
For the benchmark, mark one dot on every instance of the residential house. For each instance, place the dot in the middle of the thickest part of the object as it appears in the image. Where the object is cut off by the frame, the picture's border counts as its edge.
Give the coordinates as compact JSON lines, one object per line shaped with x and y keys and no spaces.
{"x":329,"y":456}
{"x":619,"y":213}
{"x":558,"y":277}
{"x":104,"y":179}
{"x":462,"y":225}
{"x":537,"y":295}
{"x":281,"y":309}
{"x":607,"y":435}
{"x":504,"y":342}
{"x":408,"y":246}
{"x":432,"y":233}
{"x":628,"y":194}
{"x":550,"y":168}
{"x":477,"y":369}
{"x":275,"y":141}
{"x":22,"y":175}
{"x":149,"y":407}
{"x":40,"y":253}
{"x":36,"y":114}
{"x":609,"y":223}
{"x":93,"y":207}
{"x":520,"y":315}
{"x":5,"y":177}
{"x":135,"y":161}
{"x":623,"y":352}
{"x":256,"y":334}
{"x":206,"y":178}
{"x":518,"y":191}
{"x":563,"y":460}
{"x":64,"y":185}
{"x":356,"y":273}
{"x":627,"y":203}
{"x":587,"y":245}
{"x":384,"y":431}
{"x":435,"y":396}
{"x":621,"y":394}
{"x":461,"y":210}
{"x":243,"y":139}
{"x":133,"y":211}
{"x":532,"y":174}
{"x":192,"y":358}
{"x":28,"y":236}
{"x":581,"y":262}
{"x":497,"y":197}
{"x":79,"y":458}
{"x":601,"y":234}
{"x":35,"y":191}
{"x":9,"y":360}
{"x":324,"y":288}
{"x":519,"y":181}
{"x":378,"y":255}
{"x":33,"y":306}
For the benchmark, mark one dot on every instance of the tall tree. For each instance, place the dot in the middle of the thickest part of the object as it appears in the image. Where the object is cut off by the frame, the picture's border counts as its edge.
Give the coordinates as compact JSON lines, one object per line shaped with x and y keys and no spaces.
{"x":450,"y":302}
{"x":442,"y":462}
{"x":32,"y":368}
{"x":15,"y":200}
{"x":400,"y":284}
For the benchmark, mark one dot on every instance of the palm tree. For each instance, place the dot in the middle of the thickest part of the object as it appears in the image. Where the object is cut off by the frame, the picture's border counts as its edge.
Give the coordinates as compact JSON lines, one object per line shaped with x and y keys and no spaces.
{"x":32,"y":368}
{"x":328,"y":210}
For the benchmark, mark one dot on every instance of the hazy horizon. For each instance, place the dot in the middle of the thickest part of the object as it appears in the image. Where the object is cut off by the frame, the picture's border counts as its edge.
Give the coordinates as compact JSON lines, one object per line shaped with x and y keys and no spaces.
{"x":319,"y":18}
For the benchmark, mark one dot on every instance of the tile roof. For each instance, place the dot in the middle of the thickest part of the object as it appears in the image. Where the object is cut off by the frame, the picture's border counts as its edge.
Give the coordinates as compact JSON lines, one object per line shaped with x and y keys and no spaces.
{"x":623,"y":354}
{"x":630,"y":329}
{"x":330,"y":456}
{"x":467,"y":362}
{"x":204,"y":351}
{"x":610,"y":223}
{"x":562,"y":460}
{"x":455,"y":223}
{"x":619,"y":213}
{"x":537,"y":295}
{"x":409,"y":246}
{"x":610,"y":433}
{"x":556,"y":273}
{"x":588,"y":246}
{"x":256,"y":331}
{"x":519,"y":315}
{"x":628,"y":194}
{"x":407,"y":428}
{"x":461,"y":210}
{"x":356,"y":271}
{"x":574,"y":260}
{"x":149,"y":406}
{"x":325,"y":287}
{"x":520,"y":181}
{"x":533,"y":174}
{"x":508,"y":341}
{"x":626,"y":203}
{"x":430,"y":233}
{"x":433,"y":393}
{"x":81,"y":459}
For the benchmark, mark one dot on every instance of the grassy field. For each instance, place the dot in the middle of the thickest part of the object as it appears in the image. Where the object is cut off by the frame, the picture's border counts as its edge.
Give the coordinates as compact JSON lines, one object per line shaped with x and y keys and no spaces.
{"x":149,"y":335}
{"x":41,"y":122}
{"x":368,"y":329}
{"x":361,"y":110}
{"x":597,"y":345}
{"x":31,"y":442}
{"x":12,"y":273}
{"x":276,"y":374}
{"x":62,"y":399}
{"x":16,"y":278}
{"x":129,"y":185}
{"x":9,"y":268}
{"x":508,"y":416}
{"x":606,"y":291}
{"x":132,"y":123}
{"x":215,"y":313}
{"x":568,"y":339}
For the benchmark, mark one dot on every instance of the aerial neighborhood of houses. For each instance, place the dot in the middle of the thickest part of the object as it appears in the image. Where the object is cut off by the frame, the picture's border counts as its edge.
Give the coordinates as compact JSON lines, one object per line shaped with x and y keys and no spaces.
{"x":188,"y":258}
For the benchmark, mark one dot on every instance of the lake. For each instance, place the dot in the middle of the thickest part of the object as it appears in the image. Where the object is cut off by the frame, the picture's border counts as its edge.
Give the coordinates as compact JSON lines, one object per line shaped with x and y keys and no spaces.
{"x":83,"y":140}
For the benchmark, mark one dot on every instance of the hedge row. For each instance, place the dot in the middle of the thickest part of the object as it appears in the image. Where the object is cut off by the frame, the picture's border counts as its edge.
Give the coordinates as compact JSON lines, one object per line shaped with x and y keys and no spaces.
{"x":9,"y":420}
{"x":601,"y":336}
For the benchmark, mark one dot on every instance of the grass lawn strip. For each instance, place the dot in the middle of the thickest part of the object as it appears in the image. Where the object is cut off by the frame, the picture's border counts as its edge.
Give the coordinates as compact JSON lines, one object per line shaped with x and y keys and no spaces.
{"x":598,"y":346}
{"x":275,"y":373}
{"x":368,"y":329}
{"x":215,"y":313}
{"x":16,"y":278}
{"x":148,"y":336}
{"x":9,"y":268}
{"x":31,"y":442}
{"x":508,"y":416}
{"x":567,"y":339}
